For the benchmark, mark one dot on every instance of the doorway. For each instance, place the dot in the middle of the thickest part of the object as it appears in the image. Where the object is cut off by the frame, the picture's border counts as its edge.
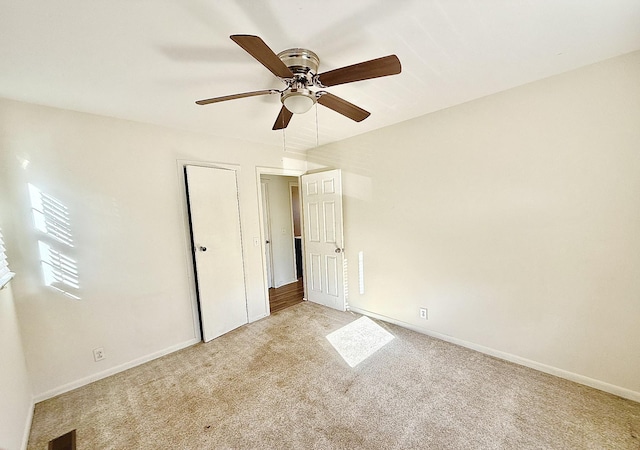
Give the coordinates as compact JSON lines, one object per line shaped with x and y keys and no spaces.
{"x":282,"y":227}
{"x":286,"y":296}
{"x":324,"y":263}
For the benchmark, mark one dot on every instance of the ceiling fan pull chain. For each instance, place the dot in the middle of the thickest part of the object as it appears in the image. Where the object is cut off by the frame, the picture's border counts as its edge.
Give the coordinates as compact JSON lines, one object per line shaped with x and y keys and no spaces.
{"x":317,"y":137}
{"x":284,"y":141}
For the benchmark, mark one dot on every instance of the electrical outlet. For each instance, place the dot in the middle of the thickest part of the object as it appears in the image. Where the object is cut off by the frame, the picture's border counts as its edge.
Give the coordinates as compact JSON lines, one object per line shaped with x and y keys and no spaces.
{"x":98,"y":354}
{"x":424,"y":313}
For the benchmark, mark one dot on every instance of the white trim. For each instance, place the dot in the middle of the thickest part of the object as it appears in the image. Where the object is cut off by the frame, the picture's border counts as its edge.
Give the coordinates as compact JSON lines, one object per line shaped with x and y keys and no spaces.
{"x":27,"y":425}
{"x":571,"y":376}
{"x":112,"y":371}
{"x":284,"y":283}
{"x":262,"y":170}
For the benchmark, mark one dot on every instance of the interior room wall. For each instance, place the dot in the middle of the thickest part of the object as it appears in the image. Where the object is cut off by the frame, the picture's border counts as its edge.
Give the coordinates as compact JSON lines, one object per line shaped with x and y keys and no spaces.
{"x":513,"y":219}
{"x":16,"y":400}
{"x":123,"y":185}
{"x":281,"y":229}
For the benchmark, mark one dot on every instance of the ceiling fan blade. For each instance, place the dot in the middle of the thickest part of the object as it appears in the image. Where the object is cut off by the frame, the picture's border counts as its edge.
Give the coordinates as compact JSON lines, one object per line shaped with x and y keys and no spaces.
{"x":380,"y":67}
{"x":234,"y":96}
{"x":343,"y":107}
{"x":261,"y":51}
{"x":283,"y":119}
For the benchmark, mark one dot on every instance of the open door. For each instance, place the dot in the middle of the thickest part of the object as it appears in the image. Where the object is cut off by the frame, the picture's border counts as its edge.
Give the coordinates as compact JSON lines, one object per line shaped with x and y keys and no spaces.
{"x":324,"y":244}
{"x":215,"y":229}
{"x":266,"y":221}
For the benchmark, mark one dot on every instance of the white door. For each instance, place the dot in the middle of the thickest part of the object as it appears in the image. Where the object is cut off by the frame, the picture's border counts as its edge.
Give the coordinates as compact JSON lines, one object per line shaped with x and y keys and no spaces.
{"x":266,"y":222}
{"x":216,"y":237}
{"x":324,"y":245}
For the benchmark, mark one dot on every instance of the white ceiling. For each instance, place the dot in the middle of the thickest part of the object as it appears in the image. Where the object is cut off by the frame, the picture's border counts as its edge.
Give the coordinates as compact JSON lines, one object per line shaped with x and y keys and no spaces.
{"x":149,"y":61}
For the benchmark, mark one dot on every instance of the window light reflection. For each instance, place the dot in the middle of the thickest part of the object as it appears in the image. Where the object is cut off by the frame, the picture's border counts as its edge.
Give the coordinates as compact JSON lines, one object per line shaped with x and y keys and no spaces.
{"x":51,"y":218}
{"x":359,"y":340}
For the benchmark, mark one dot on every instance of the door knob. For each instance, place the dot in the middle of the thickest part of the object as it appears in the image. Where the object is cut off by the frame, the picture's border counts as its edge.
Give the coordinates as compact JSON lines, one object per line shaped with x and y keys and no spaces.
{"x":266,"y":242}
{"x":339,"y":250}
{"x":203,"y":249}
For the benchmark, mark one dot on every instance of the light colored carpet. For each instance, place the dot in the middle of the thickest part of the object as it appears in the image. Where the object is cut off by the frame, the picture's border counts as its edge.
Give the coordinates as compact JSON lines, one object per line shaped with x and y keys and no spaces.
{"x":278,"y":383}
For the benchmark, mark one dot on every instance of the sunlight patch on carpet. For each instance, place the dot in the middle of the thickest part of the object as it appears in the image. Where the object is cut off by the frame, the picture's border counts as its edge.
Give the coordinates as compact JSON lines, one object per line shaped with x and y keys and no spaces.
{"x":358,"y":340}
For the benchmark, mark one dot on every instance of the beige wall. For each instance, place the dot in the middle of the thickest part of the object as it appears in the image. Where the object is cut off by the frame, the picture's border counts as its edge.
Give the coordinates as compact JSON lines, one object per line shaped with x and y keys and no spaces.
{"x":124,"y":188}
{"x":16,"y":401}
{"x":515,"y":219}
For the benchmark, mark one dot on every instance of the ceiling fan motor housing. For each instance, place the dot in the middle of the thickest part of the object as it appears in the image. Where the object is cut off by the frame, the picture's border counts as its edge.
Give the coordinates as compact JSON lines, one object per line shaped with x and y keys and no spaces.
{"x":298,"y":98}
{"x":302,"y":62}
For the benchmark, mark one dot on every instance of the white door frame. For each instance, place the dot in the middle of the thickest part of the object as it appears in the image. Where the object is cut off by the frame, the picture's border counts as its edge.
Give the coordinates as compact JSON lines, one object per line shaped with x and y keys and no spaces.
{"x":277,"y":172}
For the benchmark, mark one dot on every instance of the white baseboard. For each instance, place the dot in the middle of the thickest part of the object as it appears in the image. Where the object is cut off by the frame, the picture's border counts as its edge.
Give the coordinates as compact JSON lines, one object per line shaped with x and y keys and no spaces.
{"x":27,"y":426}
{"x":111,"y":371}
{"x":571,"y":376}
{"x":284,"y":283}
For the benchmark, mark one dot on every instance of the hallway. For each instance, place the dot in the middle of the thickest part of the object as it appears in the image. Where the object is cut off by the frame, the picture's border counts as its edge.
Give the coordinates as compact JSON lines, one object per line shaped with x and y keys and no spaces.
{"x":285,"y":296}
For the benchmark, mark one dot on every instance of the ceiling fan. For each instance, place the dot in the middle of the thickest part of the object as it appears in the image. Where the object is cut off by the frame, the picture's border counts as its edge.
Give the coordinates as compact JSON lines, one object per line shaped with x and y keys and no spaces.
{"x":298,"y":69}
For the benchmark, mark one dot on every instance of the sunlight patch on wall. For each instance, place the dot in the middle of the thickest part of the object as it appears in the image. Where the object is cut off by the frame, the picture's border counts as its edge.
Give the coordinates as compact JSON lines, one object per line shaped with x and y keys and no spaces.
{"x":358,"y":340}
{"x":51,"y":218}
{"x":5,"y":274}
{"x":60,"y":272}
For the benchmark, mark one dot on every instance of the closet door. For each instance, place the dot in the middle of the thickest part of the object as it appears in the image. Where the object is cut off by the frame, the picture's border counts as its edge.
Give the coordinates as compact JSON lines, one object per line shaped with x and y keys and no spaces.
{"x":217,"y":245}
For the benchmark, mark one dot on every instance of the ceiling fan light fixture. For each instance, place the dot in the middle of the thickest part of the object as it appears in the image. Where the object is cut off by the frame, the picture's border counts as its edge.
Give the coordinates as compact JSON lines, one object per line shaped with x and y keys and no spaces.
{"x":298,"y":101}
